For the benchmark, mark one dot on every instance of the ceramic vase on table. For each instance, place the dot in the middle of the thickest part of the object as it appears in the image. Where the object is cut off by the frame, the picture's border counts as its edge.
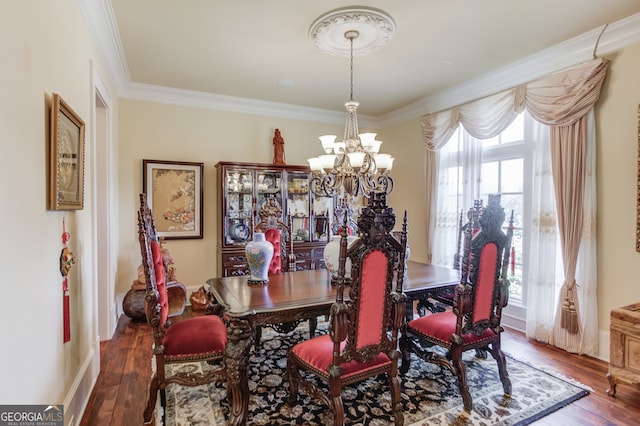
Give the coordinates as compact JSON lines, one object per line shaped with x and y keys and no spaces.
{"x":331,"y":256}
{"x":259,"y":253}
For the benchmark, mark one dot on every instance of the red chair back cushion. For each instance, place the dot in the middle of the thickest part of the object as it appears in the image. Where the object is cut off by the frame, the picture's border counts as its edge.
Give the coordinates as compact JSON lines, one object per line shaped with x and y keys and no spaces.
{"x":161,"y":286}
{"x":485,"y":283}
{"x":373,"y":282}
{"x":273,"y":236}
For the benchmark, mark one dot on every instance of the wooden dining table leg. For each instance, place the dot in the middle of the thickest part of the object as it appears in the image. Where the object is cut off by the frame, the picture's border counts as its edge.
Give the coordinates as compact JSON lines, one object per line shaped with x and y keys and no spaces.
{"x":236,"y":360}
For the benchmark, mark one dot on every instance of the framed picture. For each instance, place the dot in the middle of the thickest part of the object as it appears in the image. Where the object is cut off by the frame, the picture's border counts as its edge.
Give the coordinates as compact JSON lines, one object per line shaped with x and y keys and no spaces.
{"x":174,"y":194}
{"x":66,"y":157}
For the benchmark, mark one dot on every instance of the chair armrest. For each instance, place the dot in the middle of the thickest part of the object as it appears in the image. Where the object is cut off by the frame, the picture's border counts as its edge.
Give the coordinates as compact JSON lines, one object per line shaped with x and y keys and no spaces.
{"x":399,"y":309}
{"x":177,"y":297}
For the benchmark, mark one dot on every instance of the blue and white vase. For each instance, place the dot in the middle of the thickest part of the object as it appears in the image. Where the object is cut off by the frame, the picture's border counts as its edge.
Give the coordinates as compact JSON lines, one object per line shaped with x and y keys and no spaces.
{"x":259,"y":252}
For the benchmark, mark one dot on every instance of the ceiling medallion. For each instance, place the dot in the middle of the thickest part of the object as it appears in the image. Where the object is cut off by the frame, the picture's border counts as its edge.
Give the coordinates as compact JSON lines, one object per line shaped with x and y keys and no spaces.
{"x":375,"y":28}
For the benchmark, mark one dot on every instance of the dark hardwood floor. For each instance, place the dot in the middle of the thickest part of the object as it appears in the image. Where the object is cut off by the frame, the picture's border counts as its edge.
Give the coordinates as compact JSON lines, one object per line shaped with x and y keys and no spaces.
{"x":121,"y":390}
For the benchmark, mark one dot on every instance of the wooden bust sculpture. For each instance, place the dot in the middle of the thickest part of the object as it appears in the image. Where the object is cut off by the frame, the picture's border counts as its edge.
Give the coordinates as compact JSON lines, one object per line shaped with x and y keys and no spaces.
{"x":278,"y":148}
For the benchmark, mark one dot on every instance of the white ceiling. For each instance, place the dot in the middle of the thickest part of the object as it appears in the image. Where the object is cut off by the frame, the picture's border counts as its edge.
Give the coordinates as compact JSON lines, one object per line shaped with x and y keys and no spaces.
{"x":244,"y":48}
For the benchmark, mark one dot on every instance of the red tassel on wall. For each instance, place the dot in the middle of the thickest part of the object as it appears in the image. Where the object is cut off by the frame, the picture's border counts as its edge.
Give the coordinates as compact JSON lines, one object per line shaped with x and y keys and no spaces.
{"x":66,"y":261}
{"x":66,"y":320}
{"x":513,"y":260}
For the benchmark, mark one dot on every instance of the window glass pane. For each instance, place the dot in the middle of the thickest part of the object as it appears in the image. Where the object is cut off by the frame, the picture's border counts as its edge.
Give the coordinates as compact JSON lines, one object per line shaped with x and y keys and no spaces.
{"x":515,"y":131}
{"x":512,"y":202}
{"x":502,"y":172}
{"x":515,"y":266}
{"x":490,"y":178}
{"x":512,"y":174}
{"x":453,"y":183}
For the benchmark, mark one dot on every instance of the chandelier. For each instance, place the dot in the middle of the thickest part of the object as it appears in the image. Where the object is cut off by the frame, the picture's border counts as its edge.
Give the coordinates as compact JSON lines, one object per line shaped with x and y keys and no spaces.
{"x":354,"y":165}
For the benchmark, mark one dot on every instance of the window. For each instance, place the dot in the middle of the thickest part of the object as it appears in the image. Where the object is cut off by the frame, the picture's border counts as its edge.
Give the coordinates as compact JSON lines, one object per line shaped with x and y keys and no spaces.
{"x":471,"y":169}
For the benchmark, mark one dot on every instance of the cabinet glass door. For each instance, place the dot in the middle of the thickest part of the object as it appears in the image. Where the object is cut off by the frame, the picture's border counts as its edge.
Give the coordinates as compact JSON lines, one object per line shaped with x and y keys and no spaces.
{"x":268,"y":185}
{"x":321,"y":215}
{"x":298,"y":205}
{"x":239,"y":206}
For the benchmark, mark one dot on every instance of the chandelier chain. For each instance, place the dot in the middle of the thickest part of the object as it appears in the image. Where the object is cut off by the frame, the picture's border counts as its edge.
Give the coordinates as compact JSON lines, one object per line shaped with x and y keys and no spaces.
{"x":351,"y":70}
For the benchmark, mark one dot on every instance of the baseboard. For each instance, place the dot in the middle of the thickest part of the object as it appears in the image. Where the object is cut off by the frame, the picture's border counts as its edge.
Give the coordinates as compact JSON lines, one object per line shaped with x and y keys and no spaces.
{"x":78,"y":396}
{"x":514,"y":317}
{"x":604,"y":344}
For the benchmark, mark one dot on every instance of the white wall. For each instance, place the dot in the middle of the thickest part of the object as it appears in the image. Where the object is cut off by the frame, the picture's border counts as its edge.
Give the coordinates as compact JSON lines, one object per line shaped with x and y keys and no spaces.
{"x":617,"y":185}
{"x":46,"y":49}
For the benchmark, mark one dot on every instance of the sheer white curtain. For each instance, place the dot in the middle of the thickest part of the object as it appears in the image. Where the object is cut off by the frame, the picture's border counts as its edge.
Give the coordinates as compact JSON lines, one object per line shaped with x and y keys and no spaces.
{"x":545,"y":275}
{"x":459,"y":165}
{"x":561,"y":101}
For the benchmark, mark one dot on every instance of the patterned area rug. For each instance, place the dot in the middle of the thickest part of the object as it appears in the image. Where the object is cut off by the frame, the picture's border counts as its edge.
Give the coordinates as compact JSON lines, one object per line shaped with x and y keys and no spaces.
{"x":429,"y":394}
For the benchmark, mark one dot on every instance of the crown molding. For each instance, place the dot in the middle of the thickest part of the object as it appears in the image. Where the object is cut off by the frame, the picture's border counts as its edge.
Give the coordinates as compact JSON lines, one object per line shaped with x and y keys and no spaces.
{"x":563,"y":55}
{"x":191,"y":98}
{"x":102,"y":27}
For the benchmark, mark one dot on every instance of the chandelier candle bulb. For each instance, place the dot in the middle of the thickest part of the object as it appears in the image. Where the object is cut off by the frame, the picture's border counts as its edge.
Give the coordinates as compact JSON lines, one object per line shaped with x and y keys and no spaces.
{"x":327,"y":161}
{"x":339,"y":148}
{"x":375,"y":146}
{"x":315,"y":164}
{"x":366,"y":140}
{"x":356,"y":158}
{"x":384,"y":161}
{"x":327,"y":143}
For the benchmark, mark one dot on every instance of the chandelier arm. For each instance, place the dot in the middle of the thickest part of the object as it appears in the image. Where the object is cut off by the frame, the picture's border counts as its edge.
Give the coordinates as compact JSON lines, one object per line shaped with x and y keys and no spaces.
{"x":385,"y":183}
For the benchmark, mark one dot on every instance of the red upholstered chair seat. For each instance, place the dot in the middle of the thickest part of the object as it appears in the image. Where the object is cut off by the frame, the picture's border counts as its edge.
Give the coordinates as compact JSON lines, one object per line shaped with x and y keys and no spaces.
{"x":180,"y":344}
{"x":317,"y":354}
{"x":439,"y":328}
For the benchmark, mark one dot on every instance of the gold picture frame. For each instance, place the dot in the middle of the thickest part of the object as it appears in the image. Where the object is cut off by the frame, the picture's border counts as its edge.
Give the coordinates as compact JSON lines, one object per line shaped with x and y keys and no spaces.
{"x":66,"y":157}
{"x":638,"y":190}
{"x":174,"y":194}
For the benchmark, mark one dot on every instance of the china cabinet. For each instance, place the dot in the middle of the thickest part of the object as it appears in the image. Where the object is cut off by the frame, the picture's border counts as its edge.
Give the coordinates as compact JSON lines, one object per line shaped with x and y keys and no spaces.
{"x":242,"y":188}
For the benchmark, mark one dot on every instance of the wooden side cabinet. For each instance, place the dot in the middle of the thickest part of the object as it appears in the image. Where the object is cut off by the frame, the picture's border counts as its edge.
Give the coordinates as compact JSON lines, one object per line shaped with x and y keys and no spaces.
{"x":624,"y":355}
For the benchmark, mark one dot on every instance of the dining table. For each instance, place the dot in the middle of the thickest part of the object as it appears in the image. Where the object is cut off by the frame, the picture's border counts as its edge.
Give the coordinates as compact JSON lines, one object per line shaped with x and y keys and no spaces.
{"x":289,"y":297}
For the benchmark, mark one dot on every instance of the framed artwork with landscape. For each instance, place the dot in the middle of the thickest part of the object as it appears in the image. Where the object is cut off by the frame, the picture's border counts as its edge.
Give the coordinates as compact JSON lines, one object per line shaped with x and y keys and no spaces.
{"x":174,"y":194}
{"x":66,"y":157}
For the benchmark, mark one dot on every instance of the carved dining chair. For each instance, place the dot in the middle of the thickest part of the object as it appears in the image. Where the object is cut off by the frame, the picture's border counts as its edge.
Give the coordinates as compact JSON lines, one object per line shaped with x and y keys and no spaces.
{"x":474,"y":321}
{"x":201,"y":338}
{"x":363,"y":327}
{"x":284,"y":259}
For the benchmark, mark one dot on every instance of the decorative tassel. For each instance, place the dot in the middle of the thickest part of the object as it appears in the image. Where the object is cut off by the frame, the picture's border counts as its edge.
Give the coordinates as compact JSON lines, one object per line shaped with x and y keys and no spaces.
{"x":569,"y":314}
{"x":66,"y":261}
{"x":513,"y":260}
